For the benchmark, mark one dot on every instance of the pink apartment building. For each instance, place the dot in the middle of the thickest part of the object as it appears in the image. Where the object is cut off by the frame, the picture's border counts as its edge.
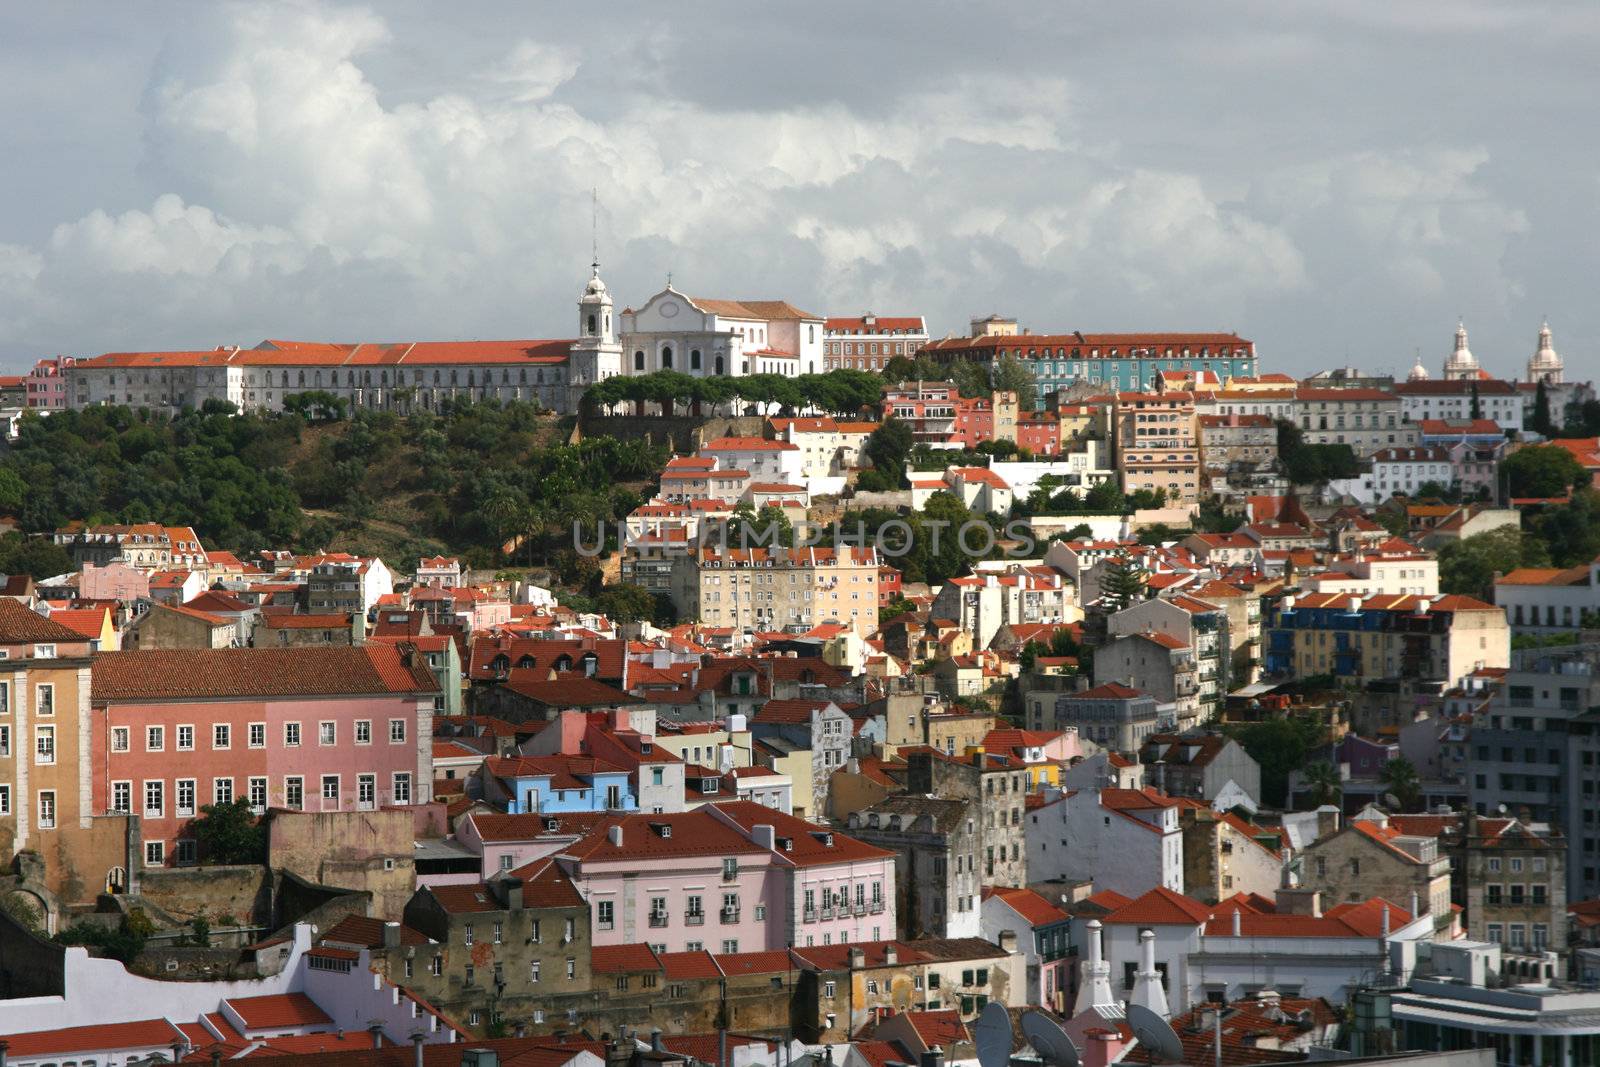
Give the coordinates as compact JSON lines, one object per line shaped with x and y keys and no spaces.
{"x":46,"y":385}
{"x":735,"y":877}
{"x":318,"y":728}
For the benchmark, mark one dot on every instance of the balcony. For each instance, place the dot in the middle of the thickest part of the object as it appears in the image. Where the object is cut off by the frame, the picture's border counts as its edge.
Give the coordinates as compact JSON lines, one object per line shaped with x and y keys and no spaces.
{"x":876,"y":907}
{"x":861,"y":908}
{"x":694,"y":918}
{"x":730,"y":916}
{"x":809,"y":915}
{"x":827,"y":913}
{"x":658,"y":920}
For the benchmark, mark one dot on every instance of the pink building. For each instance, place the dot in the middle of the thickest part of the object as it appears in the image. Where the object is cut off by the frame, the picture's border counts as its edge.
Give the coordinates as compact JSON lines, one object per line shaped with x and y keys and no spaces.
{"x":114,"y":581}
{"x":46,"y":385}
{"x":734,"y":877}
{"x":317,"y":728}
{"x":837,"y":889}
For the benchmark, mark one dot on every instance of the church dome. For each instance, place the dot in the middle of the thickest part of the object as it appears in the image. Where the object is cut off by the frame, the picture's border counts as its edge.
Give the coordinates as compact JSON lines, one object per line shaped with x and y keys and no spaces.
{"x":1461,"y":362}
{"x":1419,"y":373}
{"x":1545,"y":365}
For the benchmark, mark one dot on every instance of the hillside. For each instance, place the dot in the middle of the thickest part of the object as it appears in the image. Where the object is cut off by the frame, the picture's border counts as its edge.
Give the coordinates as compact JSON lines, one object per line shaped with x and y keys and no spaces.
{"x":464,"y":481}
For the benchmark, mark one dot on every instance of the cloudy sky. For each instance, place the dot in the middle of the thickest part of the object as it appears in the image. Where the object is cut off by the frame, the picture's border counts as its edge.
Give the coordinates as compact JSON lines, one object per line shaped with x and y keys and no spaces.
{"x":1336,"y":181}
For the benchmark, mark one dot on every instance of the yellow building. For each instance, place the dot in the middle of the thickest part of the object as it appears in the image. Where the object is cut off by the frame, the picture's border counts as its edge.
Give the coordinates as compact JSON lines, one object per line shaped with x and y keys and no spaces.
{"x":1361,"y":638}
{"x":770,"y":589}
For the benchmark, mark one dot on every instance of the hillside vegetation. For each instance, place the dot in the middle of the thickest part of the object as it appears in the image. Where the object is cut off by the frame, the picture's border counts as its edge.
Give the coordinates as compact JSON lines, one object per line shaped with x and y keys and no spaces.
{"x":469,"y":480}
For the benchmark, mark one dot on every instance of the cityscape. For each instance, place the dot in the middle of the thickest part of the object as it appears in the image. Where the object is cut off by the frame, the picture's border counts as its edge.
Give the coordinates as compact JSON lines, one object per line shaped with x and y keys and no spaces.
{"x":800,"y":676}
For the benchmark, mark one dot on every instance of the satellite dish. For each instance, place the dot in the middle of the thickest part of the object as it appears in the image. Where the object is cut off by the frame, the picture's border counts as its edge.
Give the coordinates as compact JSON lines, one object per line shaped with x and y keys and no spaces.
{"x":992,"y":1035}
{"x":1155,"y":1034}
{"x":1049,"y":1040}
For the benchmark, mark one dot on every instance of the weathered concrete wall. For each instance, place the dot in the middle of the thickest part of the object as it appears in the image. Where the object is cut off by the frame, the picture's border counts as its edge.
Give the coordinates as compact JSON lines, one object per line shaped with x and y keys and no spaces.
{"x":365,"y":850}
{"x":241,"y":893}
{"x":300,"y":901}
{"x":193,"y":963}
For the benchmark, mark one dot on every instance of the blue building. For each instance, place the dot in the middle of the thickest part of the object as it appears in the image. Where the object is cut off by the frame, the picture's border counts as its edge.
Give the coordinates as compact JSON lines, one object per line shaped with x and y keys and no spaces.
{"x":1114,"y":361}
{"x":529,"y":784}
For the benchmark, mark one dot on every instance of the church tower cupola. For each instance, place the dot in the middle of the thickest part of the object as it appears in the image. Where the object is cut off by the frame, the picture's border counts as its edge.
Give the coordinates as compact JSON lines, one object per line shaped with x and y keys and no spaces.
{"x":1546,"y":366}
{"x":1461,"y":364}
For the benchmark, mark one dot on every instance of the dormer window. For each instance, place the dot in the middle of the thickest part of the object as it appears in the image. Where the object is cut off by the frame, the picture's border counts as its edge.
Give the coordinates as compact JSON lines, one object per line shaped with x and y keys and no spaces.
{"x":708,"y":785}
{"x":44,"y":651}
{"x":662,"y":829}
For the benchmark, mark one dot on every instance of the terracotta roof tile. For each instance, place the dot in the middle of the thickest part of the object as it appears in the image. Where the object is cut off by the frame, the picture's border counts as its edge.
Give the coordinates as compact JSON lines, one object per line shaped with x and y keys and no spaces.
{"x":176,"y":674}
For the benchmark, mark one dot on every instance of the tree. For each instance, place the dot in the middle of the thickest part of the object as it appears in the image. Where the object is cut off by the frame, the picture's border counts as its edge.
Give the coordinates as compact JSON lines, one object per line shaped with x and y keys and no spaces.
{"x":1322,"y":782}
{"x":1476,"y":411}
{"x":230,"y":833}
{"x":33,"y":556}
{"x":1468,"y":566}
{"x":625,"y":602}
{"x":1542,"y":471}
{"x":1123,"y":583}
{"x":1279,"y":746}
{"x":1214,"y":519}
{"x":971,"y":378}
{"x":1010,"y":375}
{"x":12,"y":492}
{"x":1542,"y":423}
{"x":1400,"y":775}
{"x":1105,"y":498}
{"x":887,"y":449}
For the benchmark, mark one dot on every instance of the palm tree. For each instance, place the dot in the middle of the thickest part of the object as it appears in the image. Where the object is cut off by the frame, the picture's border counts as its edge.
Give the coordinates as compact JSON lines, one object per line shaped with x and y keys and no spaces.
{"x":1400,"y":775}
{"x":1323,"y":782}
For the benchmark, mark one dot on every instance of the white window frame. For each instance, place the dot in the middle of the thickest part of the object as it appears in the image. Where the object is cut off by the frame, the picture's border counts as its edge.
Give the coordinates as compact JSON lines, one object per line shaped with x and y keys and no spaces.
{"x":252,"y":731}
{"x":47,"y":800}
{"x":179,"y":808}
{"x":294,"y":781}
{"x":224,"y":732}
{"x":126,"y":786}
{"x":363,"y":726}
{"x":44,"y":693}
{"x":159,"y":735}
{"x":401,"y":791}
{"x":292,"y":728}
{"x":338,"y":787}
{"x":5,"y":798}
{"x":216,"y":789}
{"x":44,"y":746}
{"x":397,"y":726}
{"x":328,"y":728}
{"x":366,"y":792}
{"x":159,"y":809}
{"x":178,"y":743}
{"x":254,"y":785}
{"x":155,"y":853}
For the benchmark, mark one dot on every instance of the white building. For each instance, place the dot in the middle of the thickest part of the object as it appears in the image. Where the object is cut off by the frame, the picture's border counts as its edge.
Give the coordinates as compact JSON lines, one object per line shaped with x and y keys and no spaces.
{"x":720,"y":338}
{"x":1126,"y":840}
{"x":1548,"y":600}
{"x":766,"y":461}
{"x":1452,"y":399}
{"x":1398,"y":470}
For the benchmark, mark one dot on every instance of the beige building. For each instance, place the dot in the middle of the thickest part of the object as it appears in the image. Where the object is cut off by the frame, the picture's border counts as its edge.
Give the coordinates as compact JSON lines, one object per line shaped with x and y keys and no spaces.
{"x":1369,"y":858}
{"x":1156,"y":446}
{"x":767,"y":589}
{"x":1224,"y":855}
{"x":1356,"y":638}
{"x":1516,"y":882}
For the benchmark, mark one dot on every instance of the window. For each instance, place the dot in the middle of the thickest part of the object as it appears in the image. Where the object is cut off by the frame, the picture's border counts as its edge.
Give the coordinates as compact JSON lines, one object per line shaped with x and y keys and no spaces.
{"x":604,"y":914}
{"x":572,"y":968}
{"x":155,"y":853}
{"x":294,"y":793}
{"x":533,"y":972}
{"x":122,"y":796}
{"x":291,"y":735}
{"x":44,"y":699}
{"x":402,"y":787}
{"x":436,"y":966}
{"x":258,"y":735}
{"x":119,"y":738}
{"x":5,"y":800}
{"x":185,"y":738}
{"x":183,"y":789}
{"x":155,"y":738}
{"x":533,"y":932}
{"x":327,"y":733}
{"x":466,"y":934}
{"x":330,"y":787}
{"x":397,"y":731}
{"x":222,"y":790}
{"x":498,"y":930}
{"x":366,"y":790}
{"x":5,"y":741}
{"x":47,"y":809}
{"x":221,"y":735}
{"x":258,"y":795}
{"x":730,"y":946}
{"x":188,"y":851}
{"x":363,"y":732}
{"x":154,"y":800}
{"x":44,"y":651}
{"x":730,"y":870}
{"x":44,"y":744}
{"x":5,"y":695}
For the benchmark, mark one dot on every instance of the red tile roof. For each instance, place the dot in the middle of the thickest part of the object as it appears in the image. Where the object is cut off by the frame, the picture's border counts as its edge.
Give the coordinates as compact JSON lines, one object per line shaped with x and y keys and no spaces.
{"x":176,"y":674}
{"x":810,"y":845}
{"x":1025,"y":902}
{"x":278,"y":1009}
{"x":690,"y":833}
{"x":102,"y":1037}
{"x":19,"y":623}
{"x":619,"y":959}
{"x":1161,"y":907}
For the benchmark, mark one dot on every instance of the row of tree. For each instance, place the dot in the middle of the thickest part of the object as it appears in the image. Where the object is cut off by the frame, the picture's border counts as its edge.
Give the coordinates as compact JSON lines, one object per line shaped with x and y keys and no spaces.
{"x":852,"y":393}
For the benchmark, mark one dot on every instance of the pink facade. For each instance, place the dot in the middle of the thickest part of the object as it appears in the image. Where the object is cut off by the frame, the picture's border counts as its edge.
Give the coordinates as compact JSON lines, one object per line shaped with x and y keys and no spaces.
{"x":46,"y":385}
{"x":114,"y":581}
{"x":165,"y":760}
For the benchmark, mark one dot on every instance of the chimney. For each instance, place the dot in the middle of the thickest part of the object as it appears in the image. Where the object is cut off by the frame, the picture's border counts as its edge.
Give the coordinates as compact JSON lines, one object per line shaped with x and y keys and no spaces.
{"x":1414,"y":911}
{"x":1300,"y":901}
{"x":417,"y":1037}
{"x":1008,"y":942}
{"x":216,"y":1057}
{"x":614,"y":834}
{"x":764,"y":835}
{"x":655,"y":1040}
{"x":858,"y":959}
{"x":391,"y":936}
{"x":513,"y":891}
{"x":1238,"y":922}
{"x":375,"y":1028}
{"x":891,"y":955}
{"x":932,"y":1058}
{"x":1269,"y":1000}
{"x":1147,"y":988}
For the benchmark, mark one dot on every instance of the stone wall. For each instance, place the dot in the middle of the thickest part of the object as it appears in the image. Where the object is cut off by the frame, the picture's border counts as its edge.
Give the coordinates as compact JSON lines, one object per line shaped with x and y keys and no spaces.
{"x":370,"y":851}
{"x":242,"y":893}
{"x":300,"y":901}
{"x":30,"y":966}
{"x":685,"y":433}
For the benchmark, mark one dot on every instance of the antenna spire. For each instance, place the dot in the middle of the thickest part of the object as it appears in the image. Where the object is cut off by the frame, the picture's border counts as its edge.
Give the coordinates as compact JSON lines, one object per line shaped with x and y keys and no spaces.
{"x":594,"y":229}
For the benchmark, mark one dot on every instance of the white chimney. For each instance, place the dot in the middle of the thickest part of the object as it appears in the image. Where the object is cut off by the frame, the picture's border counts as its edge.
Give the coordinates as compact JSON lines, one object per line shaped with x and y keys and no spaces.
{"x":1147,"y":988}
{"x":1238,"y":923}
{"x":1094,"y":988}
{"x":614,"y":834}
